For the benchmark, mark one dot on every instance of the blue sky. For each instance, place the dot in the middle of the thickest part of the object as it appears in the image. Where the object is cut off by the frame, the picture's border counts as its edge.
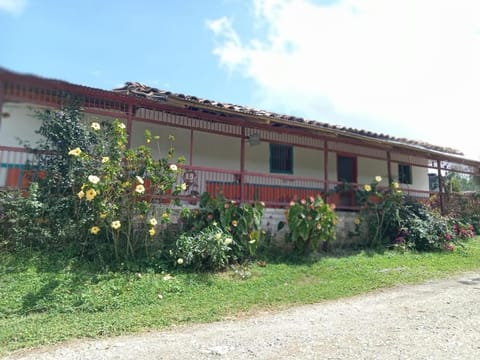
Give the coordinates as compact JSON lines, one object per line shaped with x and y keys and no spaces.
{"x":408,"y":68}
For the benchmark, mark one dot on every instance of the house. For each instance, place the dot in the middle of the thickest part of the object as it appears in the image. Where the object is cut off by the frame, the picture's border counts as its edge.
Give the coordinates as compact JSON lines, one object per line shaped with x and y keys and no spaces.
{"x":246,"y":153}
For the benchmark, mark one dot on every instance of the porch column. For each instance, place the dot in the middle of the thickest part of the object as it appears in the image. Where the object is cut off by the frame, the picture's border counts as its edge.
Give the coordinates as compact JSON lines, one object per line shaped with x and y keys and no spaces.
{"x":129,"y":124}
{"x":242,"y":162}
{"x":440,"y":187}
{"x":190,"y":162}
{"x":325,"y":167}
{"x":2,"y":99}
{"x":389,"y":168}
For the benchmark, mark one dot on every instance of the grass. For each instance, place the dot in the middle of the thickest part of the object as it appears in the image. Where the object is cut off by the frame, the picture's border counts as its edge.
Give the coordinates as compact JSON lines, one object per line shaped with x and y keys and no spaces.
{"x":47,"y":300}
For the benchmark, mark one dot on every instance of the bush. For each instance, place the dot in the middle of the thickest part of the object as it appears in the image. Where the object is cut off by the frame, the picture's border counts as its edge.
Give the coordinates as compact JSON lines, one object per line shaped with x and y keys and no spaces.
{"x":390,"y":219}
{"x":310,"y":221}
{"x":241,"y":221}
{"x":95,"y":193}
{"x":207,"y":250}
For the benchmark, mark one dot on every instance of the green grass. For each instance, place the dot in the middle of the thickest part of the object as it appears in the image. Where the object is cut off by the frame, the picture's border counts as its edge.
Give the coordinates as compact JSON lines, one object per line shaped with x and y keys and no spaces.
{"x":47,"y":300}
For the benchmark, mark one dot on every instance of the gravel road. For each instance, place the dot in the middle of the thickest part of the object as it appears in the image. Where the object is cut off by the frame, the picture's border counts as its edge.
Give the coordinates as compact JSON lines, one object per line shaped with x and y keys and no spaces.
{"x":436,"y":320}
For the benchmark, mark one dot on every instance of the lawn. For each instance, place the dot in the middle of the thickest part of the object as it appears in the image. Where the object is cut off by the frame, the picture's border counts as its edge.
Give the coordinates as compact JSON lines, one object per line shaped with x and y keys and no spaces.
{"x":45,"y":300}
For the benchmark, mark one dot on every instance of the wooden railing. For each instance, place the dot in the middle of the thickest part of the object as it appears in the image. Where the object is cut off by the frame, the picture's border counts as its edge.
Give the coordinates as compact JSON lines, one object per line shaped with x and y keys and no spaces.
{"x":273,"y":189}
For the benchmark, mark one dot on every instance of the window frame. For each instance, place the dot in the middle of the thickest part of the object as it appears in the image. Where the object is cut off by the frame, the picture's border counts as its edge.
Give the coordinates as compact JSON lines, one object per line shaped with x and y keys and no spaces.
{"x":274,"y":151}
{"x":405,"y":174}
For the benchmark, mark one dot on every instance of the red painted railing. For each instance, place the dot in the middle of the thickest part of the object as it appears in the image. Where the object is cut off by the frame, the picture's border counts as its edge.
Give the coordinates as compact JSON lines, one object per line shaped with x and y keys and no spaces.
{"x":273,"y":189}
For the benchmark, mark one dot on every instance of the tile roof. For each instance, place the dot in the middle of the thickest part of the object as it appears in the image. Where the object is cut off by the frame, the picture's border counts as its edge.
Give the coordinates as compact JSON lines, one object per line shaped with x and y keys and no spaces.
{"x":141,"y":90}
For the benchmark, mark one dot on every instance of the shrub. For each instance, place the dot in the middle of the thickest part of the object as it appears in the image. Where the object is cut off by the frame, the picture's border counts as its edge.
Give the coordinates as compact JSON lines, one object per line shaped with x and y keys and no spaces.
{"x":310,"y":221}
{"x":209,"y":249}
{"x":379,"y":216}
{"x":241,"y":221}
{"x":390,"y":219}
{"x":95,"y":192}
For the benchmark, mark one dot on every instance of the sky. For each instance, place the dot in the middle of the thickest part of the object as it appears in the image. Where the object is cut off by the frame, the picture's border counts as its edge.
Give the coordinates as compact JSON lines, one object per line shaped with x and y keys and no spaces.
{"x":407,"y":68}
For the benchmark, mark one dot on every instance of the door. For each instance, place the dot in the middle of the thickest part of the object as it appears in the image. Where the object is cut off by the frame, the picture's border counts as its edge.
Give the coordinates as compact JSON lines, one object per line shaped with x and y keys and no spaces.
{"x":347,"y":173}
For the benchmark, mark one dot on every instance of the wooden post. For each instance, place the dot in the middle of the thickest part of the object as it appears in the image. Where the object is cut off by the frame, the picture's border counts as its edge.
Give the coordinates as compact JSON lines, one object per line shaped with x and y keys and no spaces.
{"x":242,"y":162}
{"x":440,"y":188}
{"x":129,"y":124}
{"x":190,"y":162}
{"x":2,"y":98}
{"x":325,"y":167}
{"x":389,"y":168}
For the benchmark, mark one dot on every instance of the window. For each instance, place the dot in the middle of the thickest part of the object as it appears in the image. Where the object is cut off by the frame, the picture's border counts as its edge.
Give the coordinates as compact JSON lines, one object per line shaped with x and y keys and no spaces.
{"x":404,"y":174}
{"x":281,"y":158}
{"x":347,"y":169}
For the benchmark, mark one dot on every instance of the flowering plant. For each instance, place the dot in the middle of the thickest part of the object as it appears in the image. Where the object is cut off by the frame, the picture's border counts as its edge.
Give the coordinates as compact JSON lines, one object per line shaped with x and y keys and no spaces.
{"x":207,"y":250}
{"x":241,"y":221}
{"x":310,"y":221}
{"x":95,"y":189}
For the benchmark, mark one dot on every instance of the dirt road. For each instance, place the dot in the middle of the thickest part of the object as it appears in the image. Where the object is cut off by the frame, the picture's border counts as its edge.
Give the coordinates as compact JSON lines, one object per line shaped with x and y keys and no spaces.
{"x":436,"y":320}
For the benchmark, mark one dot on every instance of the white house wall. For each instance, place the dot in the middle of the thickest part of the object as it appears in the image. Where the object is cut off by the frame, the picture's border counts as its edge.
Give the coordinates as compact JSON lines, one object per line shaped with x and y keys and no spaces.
{"x":257,"y":157}
{"x":218,"y":151}
{"x":20,"y":124}
{"x":368,"y":169}
{"x":306,"y":162}
{"x":160,"y":147}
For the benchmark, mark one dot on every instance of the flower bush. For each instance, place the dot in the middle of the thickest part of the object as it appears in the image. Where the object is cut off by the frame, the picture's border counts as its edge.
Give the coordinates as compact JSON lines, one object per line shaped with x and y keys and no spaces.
{"x":209,"y":249}
{"x":379,"y":216}
{"x":310,"y":221}
{"x":389,"y":219}
{"x":241,"y":221}
{"x":94,"y":194}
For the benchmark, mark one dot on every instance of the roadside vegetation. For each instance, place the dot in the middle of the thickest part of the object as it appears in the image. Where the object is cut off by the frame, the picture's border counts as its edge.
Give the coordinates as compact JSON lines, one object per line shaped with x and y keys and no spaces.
{"x":100,"y":243}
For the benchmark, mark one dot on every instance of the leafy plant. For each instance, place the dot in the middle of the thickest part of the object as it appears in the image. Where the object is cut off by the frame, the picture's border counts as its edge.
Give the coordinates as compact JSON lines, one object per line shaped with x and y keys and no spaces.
{"x":209,"y":249}
{"x":310,"y":221}
{"x":387,"y":218}
{"x":380,"y":212}
{"x":96,"y":192}
{"x":241,"y":221}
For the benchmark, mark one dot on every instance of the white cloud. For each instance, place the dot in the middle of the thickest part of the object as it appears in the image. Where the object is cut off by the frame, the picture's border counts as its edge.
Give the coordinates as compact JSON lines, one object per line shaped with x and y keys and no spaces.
{"x":409,"y":68}
{"x":14,"y":7}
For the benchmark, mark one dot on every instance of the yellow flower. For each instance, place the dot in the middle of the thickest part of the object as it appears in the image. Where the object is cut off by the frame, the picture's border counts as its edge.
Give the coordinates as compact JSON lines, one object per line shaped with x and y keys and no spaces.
{"x":93,"y":179}
{"x":218,"y":236}
{"x":115,"y":225}
{"x":103,"y":215}
{"x":152,"y":221}
{"x":121,"y":125}
{"x":165,"y":216}
{"x":94,"y":230}
{"x":140,"y":189}
{"x":367,"y":188}
{"x":95,"y":126}
{"x":75,"y":152}
{"x":151,"y":232}
{"x":105,"y":159}
{"x":139,"y":179}
{"x":357,"y":221}
{"x":179,"y":261}
{"x":228,"y":241}
{"x":173,"y":167}
{"x":90,"y":194}
{"x":80,"y":194}
{"x":183,"y":187}
{"x":378,"y":179}
{"x":148,"y":141}
{"x":395,"y":185}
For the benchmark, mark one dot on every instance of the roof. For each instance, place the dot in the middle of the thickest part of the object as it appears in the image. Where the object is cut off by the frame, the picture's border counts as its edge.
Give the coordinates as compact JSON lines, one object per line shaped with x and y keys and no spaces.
{"x":135,"y":89}
{"x":152,"y":93}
